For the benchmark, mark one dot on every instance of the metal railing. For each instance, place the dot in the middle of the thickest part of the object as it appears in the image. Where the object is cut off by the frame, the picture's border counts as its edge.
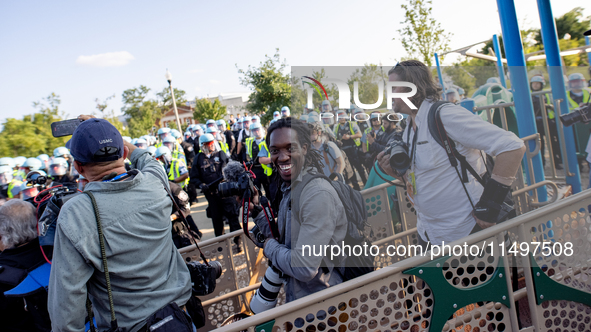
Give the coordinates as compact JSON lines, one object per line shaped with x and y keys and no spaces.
{"x":359,"y":304}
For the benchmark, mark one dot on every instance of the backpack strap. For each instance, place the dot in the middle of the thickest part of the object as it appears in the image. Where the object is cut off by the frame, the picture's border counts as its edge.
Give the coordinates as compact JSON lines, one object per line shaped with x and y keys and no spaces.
{"x":439,"y":133}
{"x":297,"y":192}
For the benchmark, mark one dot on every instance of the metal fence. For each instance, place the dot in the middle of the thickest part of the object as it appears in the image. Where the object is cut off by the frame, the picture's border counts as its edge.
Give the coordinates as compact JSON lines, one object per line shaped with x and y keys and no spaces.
{"x":468,"y":293}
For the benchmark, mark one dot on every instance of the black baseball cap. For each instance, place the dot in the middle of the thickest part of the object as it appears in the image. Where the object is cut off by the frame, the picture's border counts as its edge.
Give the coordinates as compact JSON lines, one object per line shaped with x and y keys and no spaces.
{"x":96,"y":140}
{"x":587,"y":33}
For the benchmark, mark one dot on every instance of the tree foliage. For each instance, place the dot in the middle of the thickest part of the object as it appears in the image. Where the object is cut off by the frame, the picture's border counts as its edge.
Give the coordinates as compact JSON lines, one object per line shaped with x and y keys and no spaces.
{"x":101,"y":106}
{"x":368,"y":78}
{"x":205,"y":110}
{"x":422,"y":35}
{"x":142,"y":114}
{"x":572,"y":22}
{"x":32,"y":136}
{"x":165,"y":97}
{"x":270,"y":87}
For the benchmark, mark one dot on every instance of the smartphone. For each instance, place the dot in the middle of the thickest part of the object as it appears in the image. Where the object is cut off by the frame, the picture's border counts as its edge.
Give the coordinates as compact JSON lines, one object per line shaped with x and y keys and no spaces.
{"x":64,"y":128}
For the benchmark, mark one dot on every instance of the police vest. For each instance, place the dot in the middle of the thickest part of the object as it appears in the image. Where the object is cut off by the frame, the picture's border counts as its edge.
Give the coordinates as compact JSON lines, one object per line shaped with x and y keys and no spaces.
{"x":573,"y":104}
{"x":13,"y":184}
{"x":551,"y":113}
{"x":367,"y":131}
{"x":224,"y":147}
{"x":336,"y":133}
{"x":174,"y":172}
{"x":249,"y":151}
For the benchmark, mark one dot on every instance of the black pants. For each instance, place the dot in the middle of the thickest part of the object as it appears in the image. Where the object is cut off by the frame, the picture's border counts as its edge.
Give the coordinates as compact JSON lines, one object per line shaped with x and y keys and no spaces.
{"x":218,"y":208}
{"x":355,"y":161}
{"x":261,"y":179}
{"x":553,"y":137}
{"x":192,"y":192}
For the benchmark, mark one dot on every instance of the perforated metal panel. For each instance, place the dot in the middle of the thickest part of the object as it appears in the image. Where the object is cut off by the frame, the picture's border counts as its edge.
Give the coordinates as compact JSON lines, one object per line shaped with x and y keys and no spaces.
{"x":378,"y":211}
{"x":395,"y":303}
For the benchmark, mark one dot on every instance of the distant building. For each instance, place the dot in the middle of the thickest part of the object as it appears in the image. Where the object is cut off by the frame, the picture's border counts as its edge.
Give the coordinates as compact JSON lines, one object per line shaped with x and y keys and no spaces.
{"x":235,"y":103}
{"x":185,"y":116}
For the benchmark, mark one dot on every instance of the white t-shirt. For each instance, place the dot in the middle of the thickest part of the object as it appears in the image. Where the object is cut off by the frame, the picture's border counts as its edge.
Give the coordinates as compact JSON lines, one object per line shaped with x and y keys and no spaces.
{"x":444,"y":212}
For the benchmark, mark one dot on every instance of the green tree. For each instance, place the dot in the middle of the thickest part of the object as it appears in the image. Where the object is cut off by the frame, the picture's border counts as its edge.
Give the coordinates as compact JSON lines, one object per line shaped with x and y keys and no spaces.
{"x":368,"y":78}
{"x":165,"y":97}
{"x":110,"y":115}
{"x":270,"y":87}
{"x":205,"y":110}
{"x":32,"y":135}
{"x":145,"y":117}
{"x":422,"y":35}
{"x":460,"y":76}
{"x":573,"y":23}
{"x":142,"y":114}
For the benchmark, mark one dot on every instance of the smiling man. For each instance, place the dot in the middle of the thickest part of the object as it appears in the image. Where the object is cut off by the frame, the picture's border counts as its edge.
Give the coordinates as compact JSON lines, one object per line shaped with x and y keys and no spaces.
{"x":319,"y":221}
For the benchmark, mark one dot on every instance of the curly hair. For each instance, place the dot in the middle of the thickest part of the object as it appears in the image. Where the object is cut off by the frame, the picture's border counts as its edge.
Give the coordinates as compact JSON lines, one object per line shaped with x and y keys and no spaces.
{"x":419,"y":74}
{"x":312,"y":157}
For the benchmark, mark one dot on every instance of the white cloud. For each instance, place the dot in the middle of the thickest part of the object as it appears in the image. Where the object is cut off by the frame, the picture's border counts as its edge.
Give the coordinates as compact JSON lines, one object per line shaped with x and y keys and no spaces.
{"x":111,"y":59}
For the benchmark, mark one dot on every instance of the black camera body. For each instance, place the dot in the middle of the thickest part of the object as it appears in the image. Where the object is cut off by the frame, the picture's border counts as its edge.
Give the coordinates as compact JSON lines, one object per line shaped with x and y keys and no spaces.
{"x":397,"y":149}
{"x":581,"y":114}
{"x":203,"y":276}
{"x":237,"y":188}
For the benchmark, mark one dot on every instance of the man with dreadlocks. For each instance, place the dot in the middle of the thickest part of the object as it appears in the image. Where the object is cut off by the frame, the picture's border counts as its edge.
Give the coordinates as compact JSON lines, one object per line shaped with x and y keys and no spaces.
{"x":319,"y":221}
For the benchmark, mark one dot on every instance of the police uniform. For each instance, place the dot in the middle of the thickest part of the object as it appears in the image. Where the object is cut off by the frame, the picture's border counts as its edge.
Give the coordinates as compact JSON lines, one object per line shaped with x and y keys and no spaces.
{"x":206,"y":170}
{"x":176,"y":169}
{"x":351,"y":148}
{"x":553,"y":137}
{"x":261,"y":171}
{"x":187,"y":146}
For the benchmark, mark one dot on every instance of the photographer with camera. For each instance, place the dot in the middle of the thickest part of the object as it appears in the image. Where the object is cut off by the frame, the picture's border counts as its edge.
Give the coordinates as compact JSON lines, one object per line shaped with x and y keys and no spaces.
{"x":319,"y":221}
{"x":206,"y":174}
{"x":131,"y":270}
{"x":332,"y":157}
{"x":438,"y":190}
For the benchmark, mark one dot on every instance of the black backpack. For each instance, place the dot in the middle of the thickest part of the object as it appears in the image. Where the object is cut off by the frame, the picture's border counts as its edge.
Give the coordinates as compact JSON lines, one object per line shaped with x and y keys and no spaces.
{"x":354,"y":266}
{"x":439,"y":133}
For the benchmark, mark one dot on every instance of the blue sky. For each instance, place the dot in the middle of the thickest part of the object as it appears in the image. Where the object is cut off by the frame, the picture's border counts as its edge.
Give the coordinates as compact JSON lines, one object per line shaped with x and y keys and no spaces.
{"x":85,"y":50}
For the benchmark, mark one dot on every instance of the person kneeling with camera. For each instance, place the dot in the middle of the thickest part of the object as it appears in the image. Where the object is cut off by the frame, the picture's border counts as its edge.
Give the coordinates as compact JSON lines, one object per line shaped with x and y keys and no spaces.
{"x":320,"y":220}
{"x":113,"y":247}
{"x":450,"y":202}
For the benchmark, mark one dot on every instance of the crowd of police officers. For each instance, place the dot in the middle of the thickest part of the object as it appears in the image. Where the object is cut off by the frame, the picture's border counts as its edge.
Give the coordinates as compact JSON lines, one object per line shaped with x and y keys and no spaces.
{"x":348,"y":139}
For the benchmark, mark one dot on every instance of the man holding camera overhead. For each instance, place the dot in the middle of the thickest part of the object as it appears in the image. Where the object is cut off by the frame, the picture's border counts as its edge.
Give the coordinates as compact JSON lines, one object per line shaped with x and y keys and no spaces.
{"x":146,"y":270}
{"x":444,"y":210}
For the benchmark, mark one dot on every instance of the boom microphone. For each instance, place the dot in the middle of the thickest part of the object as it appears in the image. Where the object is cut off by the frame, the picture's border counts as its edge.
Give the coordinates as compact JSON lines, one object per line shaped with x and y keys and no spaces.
{"x":233,"y":171}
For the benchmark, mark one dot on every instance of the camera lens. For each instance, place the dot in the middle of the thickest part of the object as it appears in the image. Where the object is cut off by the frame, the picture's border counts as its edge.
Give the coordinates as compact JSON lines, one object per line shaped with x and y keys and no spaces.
{"x":571,"y":118}
{"x":217,"y":267}
{"x":399,"y":159}
{"x":228,"y":189}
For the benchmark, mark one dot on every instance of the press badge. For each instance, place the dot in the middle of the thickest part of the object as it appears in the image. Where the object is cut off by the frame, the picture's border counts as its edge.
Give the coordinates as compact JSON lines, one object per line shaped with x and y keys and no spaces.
{"x":413,"y":182}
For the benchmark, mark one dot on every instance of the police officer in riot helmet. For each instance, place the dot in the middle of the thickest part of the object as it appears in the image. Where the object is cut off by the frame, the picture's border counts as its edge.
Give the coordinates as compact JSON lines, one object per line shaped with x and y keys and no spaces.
{"x":58,"y":171}
{"x":537,"y":83}
{"x":206,"y":174}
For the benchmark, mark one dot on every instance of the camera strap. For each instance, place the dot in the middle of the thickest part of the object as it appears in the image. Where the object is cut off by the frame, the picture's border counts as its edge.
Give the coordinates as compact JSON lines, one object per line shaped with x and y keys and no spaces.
{"x":99,"y":226}
{"x":267,"y":211}
{"x":181,"y":215}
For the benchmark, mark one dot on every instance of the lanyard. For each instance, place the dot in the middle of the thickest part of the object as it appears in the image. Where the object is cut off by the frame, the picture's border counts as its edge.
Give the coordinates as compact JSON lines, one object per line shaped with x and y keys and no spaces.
{"x":120,"y":177}
{"x":413,"y":147}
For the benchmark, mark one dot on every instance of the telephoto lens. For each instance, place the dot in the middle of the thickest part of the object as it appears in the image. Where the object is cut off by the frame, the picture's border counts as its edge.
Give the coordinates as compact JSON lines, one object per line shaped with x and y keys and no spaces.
{"x":265,"y":297}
